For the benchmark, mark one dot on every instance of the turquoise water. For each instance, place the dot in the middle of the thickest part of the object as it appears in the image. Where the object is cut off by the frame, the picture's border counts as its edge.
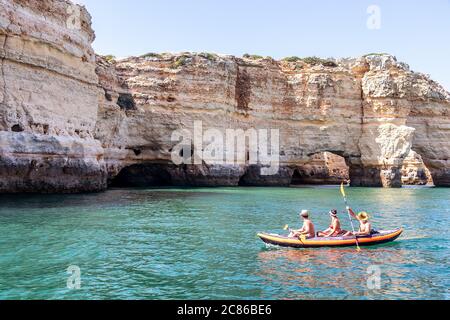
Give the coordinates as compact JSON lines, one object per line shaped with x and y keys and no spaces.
{"x":201,"y":244}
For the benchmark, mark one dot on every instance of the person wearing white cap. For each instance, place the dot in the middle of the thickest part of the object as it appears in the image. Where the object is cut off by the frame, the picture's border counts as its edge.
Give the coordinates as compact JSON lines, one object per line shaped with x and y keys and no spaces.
{"x":307,"y":229}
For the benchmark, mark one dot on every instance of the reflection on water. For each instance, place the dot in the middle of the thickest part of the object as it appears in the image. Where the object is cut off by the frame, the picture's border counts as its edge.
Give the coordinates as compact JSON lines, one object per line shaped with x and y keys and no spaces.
{"x":201,"y":244}
{"x":340,"y":270}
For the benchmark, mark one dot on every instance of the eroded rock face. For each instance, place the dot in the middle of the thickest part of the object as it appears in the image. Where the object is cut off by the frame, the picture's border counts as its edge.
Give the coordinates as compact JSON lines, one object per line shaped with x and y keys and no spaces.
{"x":73,"y":122}
{"x":48,"y":99}
{"x":396,"y":95}
{"x":371,"y":110}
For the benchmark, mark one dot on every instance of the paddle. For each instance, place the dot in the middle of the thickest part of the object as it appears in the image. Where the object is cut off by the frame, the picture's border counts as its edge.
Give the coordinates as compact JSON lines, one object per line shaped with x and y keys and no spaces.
{"x":350,"y":217}
{"x":302,"y":237}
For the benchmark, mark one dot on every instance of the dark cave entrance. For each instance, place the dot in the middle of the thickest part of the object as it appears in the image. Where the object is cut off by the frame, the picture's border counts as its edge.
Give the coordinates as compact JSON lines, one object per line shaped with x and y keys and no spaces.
{"x":253,"y":178}
{"x":143,"y":175}
{"x":298,"y":178}
{"x":249,"y":177}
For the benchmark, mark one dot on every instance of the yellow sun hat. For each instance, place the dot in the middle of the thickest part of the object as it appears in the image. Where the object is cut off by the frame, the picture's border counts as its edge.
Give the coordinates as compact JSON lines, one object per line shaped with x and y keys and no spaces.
{"x":363,"y":216}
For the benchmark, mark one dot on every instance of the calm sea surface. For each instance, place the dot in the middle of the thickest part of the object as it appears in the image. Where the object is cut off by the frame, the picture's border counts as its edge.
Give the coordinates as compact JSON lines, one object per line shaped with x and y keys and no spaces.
{"x":202,"y":244}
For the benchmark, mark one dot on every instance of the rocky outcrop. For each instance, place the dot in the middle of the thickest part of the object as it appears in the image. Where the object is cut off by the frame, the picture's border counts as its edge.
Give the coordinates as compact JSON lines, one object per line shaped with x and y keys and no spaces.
{"x":327,"y":168}
{"x":74,"y":122}
{"x":372,"y":111}
{"x":411,"y":101}
{"x":48,"y":99}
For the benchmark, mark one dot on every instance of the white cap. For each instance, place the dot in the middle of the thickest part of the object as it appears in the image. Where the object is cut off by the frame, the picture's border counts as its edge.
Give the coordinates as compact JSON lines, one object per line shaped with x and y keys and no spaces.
{"x":305,"y":213}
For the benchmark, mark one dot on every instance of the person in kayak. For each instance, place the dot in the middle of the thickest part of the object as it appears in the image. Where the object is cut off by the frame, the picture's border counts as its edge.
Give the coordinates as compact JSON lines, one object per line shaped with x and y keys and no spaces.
{"x":365,"y":227}
{"x":307,"y":229}
{"x":334,"y":230}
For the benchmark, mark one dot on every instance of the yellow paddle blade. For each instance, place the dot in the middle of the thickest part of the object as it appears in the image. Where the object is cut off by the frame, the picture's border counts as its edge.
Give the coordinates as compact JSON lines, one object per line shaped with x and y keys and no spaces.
{"x":302,"y":237}
{"x":358,"y":249}
{"x":342,"y":189}
{"x":286,"y":227}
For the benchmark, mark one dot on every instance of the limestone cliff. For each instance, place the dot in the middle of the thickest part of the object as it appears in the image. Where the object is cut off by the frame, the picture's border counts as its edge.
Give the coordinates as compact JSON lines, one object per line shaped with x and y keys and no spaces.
{"x":48,"y":99}
{"x":74,"y":122}
{"x":372,"y":111}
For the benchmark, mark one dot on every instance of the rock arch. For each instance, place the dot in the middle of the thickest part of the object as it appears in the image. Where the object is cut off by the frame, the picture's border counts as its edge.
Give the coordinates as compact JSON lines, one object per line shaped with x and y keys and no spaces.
{"x":322,"y":168}
{"x":432,"y":139}
{"x":414,"y":171}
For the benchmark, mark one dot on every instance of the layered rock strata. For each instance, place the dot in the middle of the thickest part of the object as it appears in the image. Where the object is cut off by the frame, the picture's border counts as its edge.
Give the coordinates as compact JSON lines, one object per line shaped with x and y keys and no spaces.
{"x":74,"y":122}
{"x":48,"y":99}
{"x":372,"y":111}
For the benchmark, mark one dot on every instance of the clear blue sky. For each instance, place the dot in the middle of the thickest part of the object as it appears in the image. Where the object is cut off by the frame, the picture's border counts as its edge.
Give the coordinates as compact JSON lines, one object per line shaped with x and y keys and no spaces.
{"x":417,"y":32}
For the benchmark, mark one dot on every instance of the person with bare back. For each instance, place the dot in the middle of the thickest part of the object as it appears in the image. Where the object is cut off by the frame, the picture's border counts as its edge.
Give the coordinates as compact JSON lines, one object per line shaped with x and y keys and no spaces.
{"x":308,"y":227}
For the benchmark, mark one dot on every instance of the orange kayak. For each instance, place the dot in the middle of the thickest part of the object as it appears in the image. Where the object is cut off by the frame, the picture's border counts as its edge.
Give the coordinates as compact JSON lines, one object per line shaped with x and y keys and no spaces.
{"x":376,"y":238}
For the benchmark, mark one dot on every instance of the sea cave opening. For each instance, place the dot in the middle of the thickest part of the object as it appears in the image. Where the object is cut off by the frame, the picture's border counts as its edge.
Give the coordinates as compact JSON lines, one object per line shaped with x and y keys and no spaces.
{"x":324,"y":168}
{"x":143,"y":175}
{"x":415,"y":172}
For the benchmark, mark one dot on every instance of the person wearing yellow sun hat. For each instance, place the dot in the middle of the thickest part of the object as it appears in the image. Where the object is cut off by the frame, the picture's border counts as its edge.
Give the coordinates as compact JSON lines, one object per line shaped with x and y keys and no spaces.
{"x":365,"y":227}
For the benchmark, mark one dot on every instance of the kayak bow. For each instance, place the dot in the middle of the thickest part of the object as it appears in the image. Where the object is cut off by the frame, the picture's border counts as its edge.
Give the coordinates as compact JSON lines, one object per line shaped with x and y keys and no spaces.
{"x":377,"y":238}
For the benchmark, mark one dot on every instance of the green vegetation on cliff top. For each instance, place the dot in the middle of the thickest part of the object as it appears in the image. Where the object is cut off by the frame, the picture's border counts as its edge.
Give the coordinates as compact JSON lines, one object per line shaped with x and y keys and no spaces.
{"x":110,"y":58}
{"x":312,"y":61}
{"x":253,"y":56}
